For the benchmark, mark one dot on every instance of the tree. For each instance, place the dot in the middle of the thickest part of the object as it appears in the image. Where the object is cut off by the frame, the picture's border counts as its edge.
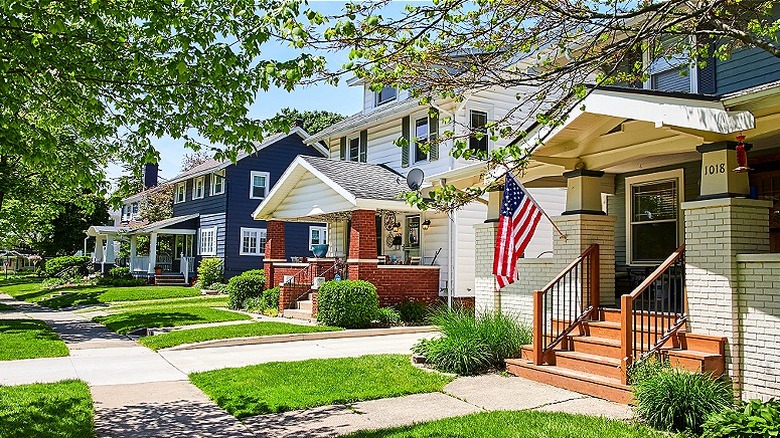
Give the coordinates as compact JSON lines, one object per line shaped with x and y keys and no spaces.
{"x":313,"y":121}
{"x":113,"y":75}
{"x":157,"y":203}
{"x":544,"y":50}
{"x":195,"y":159}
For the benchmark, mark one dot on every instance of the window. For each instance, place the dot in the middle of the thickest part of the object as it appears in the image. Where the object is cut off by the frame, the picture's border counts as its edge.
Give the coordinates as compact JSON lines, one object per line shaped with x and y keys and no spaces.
{"x":252,"y":241}
{"x":181,"y":192}
{"x":354,"y":149}
{"x":421,"y":132}
{"x":218,"y":183}
{"x":386,"y":94}
{"x":318,"y":236}
{"x":258,"y":185}
{"x":669,"y":69}
{"x":199,"y":189}
{"x":477,"y":123}
{"x":208,"y":241}
{"x":653,"y":226}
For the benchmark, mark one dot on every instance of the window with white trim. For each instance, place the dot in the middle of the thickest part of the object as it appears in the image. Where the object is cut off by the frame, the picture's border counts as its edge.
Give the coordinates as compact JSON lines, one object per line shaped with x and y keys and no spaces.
{"x":318,"y":236}
{"x":252,"y":241}
{"x":181,"y":192}
{"x":478,"y":125}
{"x":199,"y":188}
{"x":218,"y":183}
{"x":388,"y":93}
{"x":208,"y":241}
{"x":421,"y":136}
{"x":258,"y":184}
{"x":653,"y":216}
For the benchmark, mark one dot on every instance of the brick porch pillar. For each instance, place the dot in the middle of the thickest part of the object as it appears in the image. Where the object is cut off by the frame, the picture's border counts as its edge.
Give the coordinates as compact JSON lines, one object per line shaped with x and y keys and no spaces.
{"x":362,"y":243}
{"x":274,"y":250}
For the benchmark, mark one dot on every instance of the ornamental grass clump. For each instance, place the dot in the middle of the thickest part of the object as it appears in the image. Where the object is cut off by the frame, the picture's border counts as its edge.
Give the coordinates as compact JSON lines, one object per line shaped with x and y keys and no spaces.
{"x":473,"y":344}
{"x":680,"y":401}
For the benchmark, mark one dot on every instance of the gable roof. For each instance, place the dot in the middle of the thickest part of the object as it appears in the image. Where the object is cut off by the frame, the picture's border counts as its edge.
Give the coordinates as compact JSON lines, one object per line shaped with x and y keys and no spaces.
{"x":361,"y":180}
{"x":154,"y":226}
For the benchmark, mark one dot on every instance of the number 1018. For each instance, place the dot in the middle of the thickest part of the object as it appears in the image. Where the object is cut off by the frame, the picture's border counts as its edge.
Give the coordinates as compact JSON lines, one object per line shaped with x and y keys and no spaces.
{"x":714,"y":169}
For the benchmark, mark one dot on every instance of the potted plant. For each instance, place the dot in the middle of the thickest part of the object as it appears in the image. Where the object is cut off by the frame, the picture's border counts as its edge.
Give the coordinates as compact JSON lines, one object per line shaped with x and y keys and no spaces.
{"x":157,"y":270}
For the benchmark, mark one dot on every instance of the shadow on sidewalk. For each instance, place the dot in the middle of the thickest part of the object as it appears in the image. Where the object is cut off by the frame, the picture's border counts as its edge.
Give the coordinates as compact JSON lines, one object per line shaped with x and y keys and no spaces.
{"x":333,"y":420}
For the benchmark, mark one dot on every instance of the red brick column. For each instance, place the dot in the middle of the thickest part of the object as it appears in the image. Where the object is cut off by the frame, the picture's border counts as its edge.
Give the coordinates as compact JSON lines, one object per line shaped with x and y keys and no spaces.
{"x":362,"y":243}
{"x":274,"y":250}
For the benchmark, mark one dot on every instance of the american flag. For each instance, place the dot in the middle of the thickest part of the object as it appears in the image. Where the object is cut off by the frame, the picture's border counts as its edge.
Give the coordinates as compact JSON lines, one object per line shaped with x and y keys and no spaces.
{"x":516,"y":225}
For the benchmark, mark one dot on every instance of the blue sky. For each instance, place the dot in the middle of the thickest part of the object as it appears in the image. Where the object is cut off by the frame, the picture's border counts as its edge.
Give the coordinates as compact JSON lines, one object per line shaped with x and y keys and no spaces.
{"x":342,"y":99}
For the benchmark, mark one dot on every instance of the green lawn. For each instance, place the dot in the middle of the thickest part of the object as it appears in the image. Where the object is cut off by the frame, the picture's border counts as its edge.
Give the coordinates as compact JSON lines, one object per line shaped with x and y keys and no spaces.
{"x":166,"y":316}
{"x":202,"y":300}
{"x":62,"y":409}
{"x":84,"y":295}
{"x":29,"y":339}
{"x":511,"y":424}
{"x":190,"y":336}
{"x":286,"y":386}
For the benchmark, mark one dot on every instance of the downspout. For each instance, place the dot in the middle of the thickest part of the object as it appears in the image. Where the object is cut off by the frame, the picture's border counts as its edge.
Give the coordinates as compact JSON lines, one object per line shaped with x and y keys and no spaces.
{"x":450,"y":254}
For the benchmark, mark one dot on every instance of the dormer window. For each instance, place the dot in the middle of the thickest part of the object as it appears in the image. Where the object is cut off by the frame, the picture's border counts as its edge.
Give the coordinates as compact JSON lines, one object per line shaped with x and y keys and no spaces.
{"x":386,"y":94}
{"x":181,"y":192}
{"x":218,"y":183}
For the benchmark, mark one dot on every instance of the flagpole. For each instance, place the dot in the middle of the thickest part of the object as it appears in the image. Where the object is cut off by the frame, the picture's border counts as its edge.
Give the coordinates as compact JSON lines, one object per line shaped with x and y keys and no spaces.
{"x":540,"y":209}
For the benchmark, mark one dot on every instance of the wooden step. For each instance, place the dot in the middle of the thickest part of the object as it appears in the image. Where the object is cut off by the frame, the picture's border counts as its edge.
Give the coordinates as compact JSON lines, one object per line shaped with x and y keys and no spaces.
{"x":596,"y":346}
{"x":696,"y":361}
{"x":704,"y":343}
{"x":589,"y":363}
{"x":582,"y":382}
{"x":613,"y":315}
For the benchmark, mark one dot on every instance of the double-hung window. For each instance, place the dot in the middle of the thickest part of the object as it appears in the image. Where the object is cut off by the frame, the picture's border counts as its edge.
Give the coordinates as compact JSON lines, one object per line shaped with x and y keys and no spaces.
{"x":258,"y":184}
{"x":318,"y":236}
{"x":253,"y":241}
{"x":386,"y":94}
{"x":421,"y":137}
{"x":199,"y":188}
{"x":208,"y":241}
{"x":181,"y":192}
{"x":354,"y":149}
{"x":653,"y":225}
{"x":478,"y":141}
{"x":218,"y":183}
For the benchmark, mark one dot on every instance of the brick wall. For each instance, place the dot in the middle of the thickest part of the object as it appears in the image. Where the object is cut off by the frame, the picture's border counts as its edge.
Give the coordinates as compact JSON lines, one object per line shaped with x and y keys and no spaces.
{"x":362,"y":235}
{"x":275,"y":241}
{"x":288,"y":295}
{"x":759,"y":312}
{"x":396,"y":283}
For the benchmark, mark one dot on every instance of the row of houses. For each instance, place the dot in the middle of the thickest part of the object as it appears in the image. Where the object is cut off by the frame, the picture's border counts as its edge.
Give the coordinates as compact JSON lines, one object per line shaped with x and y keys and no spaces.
{"x":671,"y":240}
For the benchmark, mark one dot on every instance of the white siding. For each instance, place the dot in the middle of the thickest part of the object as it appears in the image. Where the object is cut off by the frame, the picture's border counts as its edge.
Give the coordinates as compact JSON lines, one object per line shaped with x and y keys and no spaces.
{"x":465,"y":247}
{"x":311,"y":196}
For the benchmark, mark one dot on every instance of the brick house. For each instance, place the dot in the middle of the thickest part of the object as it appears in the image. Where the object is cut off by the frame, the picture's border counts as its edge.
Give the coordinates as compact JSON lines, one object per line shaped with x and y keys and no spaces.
{"x":673,"y":245}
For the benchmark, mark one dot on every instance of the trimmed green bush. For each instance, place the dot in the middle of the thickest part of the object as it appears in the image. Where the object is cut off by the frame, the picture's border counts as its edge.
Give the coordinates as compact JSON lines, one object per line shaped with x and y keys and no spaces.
{"x":753,"y":419}
{"x":54,"y":267}
{"x":120,"y":272}
{"x":210,"y":271}
{"x":271,"y":298}
{"x":679,"y":400}
{"x":249,"y":284}
{"x":473,"y":344}
{"x":412,"y":312}
{"x":347,"y":303}
{"x":387,"y":317}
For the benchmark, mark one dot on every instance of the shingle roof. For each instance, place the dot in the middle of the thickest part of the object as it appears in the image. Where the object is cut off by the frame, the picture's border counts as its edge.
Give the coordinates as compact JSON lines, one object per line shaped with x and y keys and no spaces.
{"x":362,"y":180}
{"x":165,"y":223}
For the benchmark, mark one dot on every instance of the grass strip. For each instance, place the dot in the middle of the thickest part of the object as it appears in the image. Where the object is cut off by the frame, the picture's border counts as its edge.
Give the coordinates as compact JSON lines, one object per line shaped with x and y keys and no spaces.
{"x":190,"y":336}
{"x":166,"y":317}
{"x":202,"y":300}
{"x":62,"y":409}
{"x":287,"y":386}
{"x":29,"y":339}
{"x":5,"y":307}
{"x":526,"y":424}
{"x":84,"y":295}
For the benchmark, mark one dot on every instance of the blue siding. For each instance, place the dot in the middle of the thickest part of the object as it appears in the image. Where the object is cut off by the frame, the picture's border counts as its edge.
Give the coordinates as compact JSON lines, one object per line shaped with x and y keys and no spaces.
{"x":273,"y":159}
{"x":746,"y":68}
{"x":208,"y":205}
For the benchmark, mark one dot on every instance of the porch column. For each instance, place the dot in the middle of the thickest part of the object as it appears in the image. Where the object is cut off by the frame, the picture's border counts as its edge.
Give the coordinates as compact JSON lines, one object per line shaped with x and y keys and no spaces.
{"x":110,"y":255}
{"x":362,"y":243}
{"x":99,"y":249}
{"x":718,"y":179}
{"x":274,"y":249}
{"x":133,"y":251}
{"x":152,"y":252}
{"x":716,"y":230}
{"x":584,"y":223}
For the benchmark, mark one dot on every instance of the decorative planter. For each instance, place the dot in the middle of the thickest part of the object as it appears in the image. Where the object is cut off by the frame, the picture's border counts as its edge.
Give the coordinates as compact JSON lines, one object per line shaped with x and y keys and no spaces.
{"x":319,"y":250}
{"x":157,"y":271}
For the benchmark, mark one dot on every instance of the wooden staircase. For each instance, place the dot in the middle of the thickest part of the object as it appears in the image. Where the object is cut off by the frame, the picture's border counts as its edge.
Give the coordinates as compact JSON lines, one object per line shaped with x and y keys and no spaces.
{"x":170,"y":280}
{"x":585,"y":348}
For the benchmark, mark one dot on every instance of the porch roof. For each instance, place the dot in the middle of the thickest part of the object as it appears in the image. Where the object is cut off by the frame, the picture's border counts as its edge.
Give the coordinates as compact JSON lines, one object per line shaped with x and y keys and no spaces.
{"x":104,"y":230}
{"x":160,"y":225}
{"x":314,"y":187}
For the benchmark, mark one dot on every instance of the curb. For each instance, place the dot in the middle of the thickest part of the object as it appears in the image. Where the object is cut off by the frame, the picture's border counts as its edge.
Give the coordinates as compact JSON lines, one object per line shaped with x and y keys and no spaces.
{"x":296,"y":337}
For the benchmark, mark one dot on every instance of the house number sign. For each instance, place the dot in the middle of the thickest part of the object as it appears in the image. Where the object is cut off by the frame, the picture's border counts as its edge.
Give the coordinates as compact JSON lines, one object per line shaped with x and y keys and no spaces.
{"x":714,"y":169}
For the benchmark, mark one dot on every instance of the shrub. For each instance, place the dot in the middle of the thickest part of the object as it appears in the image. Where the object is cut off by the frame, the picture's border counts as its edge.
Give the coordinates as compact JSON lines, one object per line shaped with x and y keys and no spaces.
{"x":387,"y":317}
{"x":646,"y":369}
{"x":54,"y":267}
{"x":210,"y":271}
{"x":220,"y":288}
{"x":412,"y":312}
{"x":51,"y":283}
{"x":254,"y":304}
{"x":119,"y":272}
{"x":249,"y":284}
{"x":473,"y":344}
{"x":347,"y":303}
{"x":121,"y":282}
{"x":271,"y":298}
{"x":753,"y":419}
{"x":679,"y":400}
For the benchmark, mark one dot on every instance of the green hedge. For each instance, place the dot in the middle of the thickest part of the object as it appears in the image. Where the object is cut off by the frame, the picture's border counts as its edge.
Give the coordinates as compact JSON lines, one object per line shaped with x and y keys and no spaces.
{"x":347,"y":303}
{"x":210,"y":271}
{"x":249,"y":284}
{"x":56,"y":265}
{"x":271,"y":298}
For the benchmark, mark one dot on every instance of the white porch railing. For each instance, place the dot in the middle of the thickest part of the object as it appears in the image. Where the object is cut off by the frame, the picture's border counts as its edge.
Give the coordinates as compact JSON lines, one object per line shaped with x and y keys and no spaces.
{"x":187,"y":263}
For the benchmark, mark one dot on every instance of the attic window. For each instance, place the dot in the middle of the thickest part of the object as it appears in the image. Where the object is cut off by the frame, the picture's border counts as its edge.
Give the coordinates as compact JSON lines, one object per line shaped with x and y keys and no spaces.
{"x":386,"y":94}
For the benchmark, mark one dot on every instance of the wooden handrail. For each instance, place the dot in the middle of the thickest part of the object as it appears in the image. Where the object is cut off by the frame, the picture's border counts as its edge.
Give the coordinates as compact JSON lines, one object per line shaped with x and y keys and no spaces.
{"x":658,"y":271}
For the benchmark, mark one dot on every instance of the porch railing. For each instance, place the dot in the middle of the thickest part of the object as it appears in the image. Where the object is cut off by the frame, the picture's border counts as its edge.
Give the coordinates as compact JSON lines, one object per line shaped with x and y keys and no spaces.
{"x":654,"y":311}
{"x":306,"y":275}
{"x":569,"y":299}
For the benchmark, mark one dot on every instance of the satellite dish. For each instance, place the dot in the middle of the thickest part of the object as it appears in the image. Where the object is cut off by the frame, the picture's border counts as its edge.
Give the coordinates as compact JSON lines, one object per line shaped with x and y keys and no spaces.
{"x":414,"y":179}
